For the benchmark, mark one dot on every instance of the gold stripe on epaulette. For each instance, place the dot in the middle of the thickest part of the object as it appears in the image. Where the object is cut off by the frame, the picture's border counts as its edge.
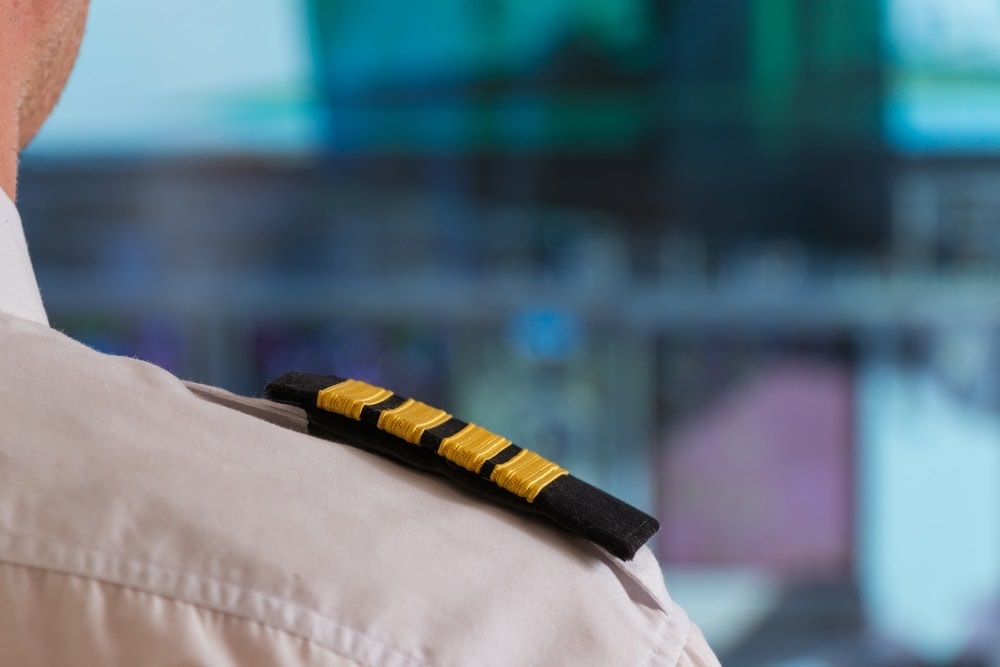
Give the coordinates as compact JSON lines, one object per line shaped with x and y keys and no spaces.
{"x":526,"y":474}
{"x":349,"y":397}
{"x":472,"y":446}
{"x":411,"y":419}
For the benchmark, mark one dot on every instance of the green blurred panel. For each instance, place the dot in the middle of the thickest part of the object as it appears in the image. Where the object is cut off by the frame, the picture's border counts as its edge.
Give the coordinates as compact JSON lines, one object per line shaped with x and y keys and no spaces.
{"x":389,"y":42}
{"x":774,"y":49}
{"x":774,"y":68}
{"x":815,"y":70}
{"x":487,"y":75}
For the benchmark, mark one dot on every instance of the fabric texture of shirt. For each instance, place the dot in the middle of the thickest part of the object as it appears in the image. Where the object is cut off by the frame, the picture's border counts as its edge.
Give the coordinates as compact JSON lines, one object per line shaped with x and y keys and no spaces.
{"x":148,"y":521}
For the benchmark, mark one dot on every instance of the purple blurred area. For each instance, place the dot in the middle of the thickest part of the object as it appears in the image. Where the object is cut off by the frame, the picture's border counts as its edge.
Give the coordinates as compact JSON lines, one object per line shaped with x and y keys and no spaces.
{"x":763,"y":475}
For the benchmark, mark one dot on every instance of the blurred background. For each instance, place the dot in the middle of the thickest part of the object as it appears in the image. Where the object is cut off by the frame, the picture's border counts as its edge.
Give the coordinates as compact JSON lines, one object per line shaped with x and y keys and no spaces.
{"x":736,"y":262}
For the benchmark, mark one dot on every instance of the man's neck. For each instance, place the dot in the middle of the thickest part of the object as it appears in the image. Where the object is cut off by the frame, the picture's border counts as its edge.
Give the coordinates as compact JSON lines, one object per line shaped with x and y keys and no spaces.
{"x":10,"y":87}
{"x":8,"y":152}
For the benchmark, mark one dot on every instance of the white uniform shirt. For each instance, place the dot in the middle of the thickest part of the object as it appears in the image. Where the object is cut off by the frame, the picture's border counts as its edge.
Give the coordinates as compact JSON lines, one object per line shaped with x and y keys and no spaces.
{"x":145,"y":521}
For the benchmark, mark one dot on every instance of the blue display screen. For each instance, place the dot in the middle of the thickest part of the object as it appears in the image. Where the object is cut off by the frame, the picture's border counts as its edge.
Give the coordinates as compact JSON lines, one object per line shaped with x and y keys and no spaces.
{"x":943,"y":76}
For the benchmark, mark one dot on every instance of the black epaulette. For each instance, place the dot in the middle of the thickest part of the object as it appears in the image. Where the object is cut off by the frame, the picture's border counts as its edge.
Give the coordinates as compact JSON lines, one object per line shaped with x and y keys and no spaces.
{"x":378,"y":420}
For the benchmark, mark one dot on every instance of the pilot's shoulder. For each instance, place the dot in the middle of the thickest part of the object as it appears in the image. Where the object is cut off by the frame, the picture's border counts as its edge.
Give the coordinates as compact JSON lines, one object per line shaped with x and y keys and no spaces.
{"x":429,"y":438}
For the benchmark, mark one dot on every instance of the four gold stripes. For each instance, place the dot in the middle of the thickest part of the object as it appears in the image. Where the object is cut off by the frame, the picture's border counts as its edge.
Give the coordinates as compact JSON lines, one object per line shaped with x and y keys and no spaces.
{"x":524,"y":475}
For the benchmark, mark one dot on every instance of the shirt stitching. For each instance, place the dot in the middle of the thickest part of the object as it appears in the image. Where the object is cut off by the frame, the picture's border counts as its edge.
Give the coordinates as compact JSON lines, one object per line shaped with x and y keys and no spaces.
{"x":18,"y":299}
{"x":659,"y":640}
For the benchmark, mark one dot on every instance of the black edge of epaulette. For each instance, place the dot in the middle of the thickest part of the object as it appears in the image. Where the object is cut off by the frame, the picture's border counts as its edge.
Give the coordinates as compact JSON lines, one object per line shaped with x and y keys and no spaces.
{"x":298,"y":388}
{"x":605,"y":520}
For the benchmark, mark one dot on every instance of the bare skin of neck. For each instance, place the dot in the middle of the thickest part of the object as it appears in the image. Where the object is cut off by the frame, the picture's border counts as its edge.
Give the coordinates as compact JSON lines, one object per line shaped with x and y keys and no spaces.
{"x":8,"y":170}
{"x":10,"y":86}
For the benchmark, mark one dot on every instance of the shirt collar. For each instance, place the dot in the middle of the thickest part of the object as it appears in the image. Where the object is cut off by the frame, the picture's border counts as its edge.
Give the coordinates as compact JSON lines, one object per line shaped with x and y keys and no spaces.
{"x":19,"y":293}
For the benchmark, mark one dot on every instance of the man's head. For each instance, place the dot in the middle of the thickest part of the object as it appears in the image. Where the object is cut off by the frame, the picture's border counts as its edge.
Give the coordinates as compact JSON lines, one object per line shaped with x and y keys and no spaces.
{"x":39,"y":40}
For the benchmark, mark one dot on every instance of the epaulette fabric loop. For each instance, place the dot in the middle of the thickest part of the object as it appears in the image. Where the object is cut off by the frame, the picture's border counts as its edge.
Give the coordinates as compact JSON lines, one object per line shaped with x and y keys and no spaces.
{"x":378,"y":420}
